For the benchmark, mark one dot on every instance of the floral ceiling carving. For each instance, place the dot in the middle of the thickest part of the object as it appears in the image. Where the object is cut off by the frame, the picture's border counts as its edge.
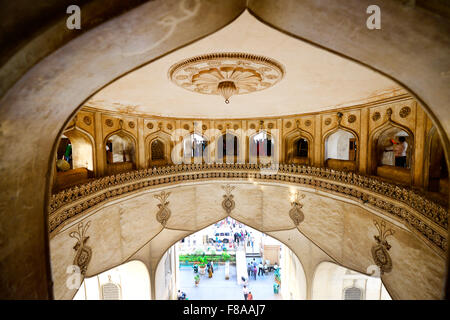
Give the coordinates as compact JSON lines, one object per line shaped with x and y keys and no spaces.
{"x":226,"y":73}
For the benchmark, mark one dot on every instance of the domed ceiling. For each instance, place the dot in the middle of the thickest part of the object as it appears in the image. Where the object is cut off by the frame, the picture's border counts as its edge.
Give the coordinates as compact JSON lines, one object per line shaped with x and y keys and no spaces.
{"x":314,"y":80}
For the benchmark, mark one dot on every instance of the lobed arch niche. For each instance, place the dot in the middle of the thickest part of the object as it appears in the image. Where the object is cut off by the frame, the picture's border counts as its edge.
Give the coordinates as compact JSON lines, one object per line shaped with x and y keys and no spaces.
{"x":341,"y":149}
{"x":75,"y":159}
{"x":383,"y":142}
{"x":158,"y":146}
{"x":435,"y":168}
{"x":120,"y":152}
{"x":195,"y":148}
{"x":227,"y":148}
{"x":261,"y":147}
{"x":299,"y":147}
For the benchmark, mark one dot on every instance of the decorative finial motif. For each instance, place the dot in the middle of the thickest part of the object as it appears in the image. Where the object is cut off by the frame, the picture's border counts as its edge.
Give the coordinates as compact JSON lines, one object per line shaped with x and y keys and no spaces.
{"x":83,"y":252}
{"x":163,"y":213}
{"x":228,"y":203}
{"x":296,"y":214}
{"x":121,"y":123}
{"x":340,"y":115}
{"x":389,"y":113}
{"x":380,"y":252}
{"x":297,"y":122}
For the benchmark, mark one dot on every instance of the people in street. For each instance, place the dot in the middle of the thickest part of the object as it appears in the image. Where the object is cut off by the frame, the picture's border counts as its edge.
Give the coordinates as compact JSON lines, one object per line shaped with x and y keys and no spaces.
{"x":249,"y":269}
{"x":398,"y":151}
{"x":260,"y":269}
{"x":402,"y":157}
{"x":255,"y":270}
{"x":250,"y":296}
{"x":245,"y":291}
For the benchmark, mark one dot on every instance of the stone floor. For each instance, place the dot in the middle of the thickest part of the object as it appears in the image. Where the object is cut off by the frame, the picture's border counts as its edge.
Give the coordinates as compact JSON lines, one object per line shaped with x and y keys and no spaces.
{"x":217,"y":288}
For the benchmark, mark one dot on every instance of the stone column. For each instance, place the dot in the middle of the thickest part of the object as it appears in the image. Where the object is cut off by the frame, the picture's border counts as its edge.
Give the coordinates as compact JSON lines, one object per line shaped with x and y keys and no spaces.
{"x":363,"y":140}
{"x":419,"y":146}
{"x":99,"y":148}
{"x":318,"y":157}
{"x":243,"y":143}
{"x":280,"y":141}
{"x":141,"y":163}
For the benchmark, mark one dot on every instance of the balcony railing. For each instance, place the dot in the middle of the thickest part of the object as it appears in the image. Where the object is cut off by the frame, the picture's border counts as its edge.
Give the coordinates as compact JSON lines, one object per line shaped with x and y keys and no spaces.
{"x":426,"y":217}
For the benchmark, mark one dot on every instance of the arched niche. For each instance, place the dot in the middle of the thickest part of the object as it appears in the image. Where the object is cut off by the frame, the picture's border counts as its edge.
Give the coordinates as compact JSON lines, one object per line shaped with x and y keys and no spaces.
{"x":385,"y":142}
{"x":120,"y":152}
{"x":158,"y":146}
{"x":83,"y":154}
{"x":435,"y":166}
{"x":299,"y":147}
{"x":128,"y":281}
{"x":341,"y":149}
{"x":261,"y":147}
{"x":334,"y":282}
{"x":195,"y":148}
{"x":227,"y":148}
{"x":74,"y":159}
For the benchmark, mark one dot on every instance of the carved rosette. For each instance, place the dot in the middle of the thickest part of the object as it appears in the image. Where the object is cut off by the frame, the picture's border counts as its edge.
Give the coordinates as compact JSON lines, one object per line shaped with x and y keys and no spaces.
{"x":296,"y":213}
{"x":228,"y":203}
{"x":163,"y":213}
{"x":376,"y":116}
{"x":404,"y":112}
{"x":226,"y":73}
{"x":380,"y":252}
{"x":83,"y":252}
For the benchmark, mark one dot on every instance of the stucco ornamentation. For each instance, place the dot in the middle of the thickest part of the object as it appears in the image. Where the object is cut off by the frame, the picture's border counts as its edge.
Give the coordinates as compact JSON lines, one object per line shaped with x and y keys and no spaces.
{"x":83,"y":252}
{"x":109,"y":122}
{"x":228,"y":203}
{"x":150,"y":125}
{"x":327,"y":121}
{"x":380,"y":250}
{"x":376,"y":116}
{"x":163,"y":213}
{"x":296,"y":213}
{"x":226,"y":73}
{"x":131,"y":124}
{"x":87,"y":120}
{"x":351,"y":118}
{"x":307,"y":123}
{"x":404,"y":112}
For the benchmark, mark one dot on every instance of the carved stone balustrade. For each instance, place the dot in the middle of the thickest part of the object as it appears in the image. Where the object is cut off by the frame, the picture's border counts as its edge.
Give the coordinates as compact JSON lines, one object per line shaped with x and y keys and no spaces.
{"x":427,"y":218}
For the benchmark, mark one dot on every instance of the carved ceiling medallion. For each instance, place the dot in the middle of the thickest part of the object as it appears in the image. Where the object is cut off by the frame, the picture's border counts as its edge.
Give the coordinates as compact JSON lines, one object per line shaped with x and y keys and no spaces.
{"x":226,"y":73}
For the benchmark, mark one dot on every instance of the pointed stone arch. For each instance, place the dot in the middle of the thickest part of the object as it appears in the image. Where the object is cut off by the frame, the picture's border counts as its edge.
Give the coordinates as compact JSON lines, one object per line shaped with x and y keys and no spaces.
{"x":165,"y":139}
{"x":372,"y":156}
{"x":351,"y":165}
{"x":289,"y":142}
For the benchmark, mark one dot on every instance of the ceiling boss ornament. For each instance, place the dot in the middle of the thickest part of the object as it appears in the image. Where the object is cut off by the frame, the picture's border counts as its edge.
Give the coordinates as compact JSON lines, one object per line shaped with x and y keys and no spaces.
{"x":226,"y":73}
{"x":380,"y":252}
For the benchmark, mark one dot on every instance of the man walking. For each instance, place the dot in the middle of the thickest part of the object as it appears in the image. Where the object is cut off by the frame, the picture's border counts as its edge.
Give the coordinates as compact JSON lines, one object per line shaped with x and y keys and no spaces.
{"x":245,"y":291}
{"x":260,"y":269}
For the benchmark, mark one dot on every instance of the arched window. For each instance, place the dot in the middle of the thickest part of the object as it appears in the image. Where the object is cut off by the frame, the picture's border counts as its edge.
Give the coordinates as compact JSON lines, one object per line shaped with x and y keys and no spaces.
{"x":157,"y":150}
{"x":301,"y":148}
{"x":341,"y":145}
{"x":394,"y":148}
{"x":228,"y":148}
{"x":120,"y":148}
{"x":194,"y":146}
{"x":260,"y":146}
{"x":64,"y":154}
